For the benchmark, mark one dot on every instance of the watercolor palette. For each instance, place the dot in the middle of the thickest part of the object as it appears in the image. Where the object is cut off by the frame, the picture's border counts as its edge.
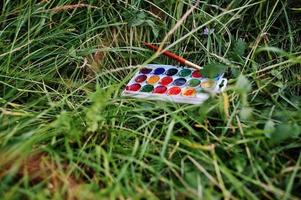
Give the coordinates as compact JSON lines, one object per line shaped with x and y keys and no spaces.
{"x":172,"y":83}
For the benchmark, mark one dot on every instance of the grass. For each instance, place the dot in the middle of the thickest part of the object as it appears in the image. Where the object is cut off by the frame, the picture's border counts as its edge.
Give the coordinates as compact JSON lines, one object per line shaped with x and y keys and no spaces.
{"x":66,"y":133}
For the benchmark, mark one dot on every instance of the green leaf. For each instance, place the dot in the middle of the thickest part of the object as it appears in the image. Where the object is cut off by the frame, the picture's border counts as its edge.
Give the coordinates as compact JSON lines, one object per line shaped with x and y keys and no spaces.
{"x":239,"y":162}
{"x":141,"y":19}
{"x":235,"y":72}
{"x":245,"y":113}
{"x":240,"y":47}
{"x":137,"y":19}
{"x":269,"y":128}
{"x":284,"y":132}
{"x":243,"y":84}
{"x":214,"y":69}
{"x":99,"y":99}
{"x":68,"y":124}
{"x":72,"y":52}
{"x":155,"y":29}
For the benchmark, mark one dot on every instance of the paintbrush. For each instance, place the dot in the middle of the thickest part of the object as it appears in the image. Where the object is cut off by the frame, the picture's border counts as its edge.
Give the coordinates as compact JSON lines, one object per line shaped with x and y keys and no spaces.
{"x":174,"y":56}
